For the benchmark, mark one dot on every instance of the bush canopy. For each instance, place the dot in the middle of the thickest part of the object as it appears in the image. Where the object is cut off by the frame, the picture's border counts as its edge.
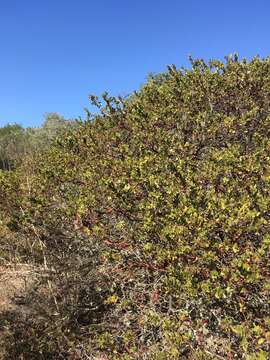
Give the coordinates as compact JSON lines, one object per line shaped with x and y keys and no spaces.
{"x":153,"y":218}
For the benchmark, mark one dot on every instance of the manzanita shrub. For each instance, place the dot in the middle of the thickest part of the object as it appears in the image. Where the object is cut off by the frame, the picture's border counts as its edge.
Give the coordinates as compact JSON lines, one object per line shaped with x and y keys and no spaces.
{"x":153,"y":220}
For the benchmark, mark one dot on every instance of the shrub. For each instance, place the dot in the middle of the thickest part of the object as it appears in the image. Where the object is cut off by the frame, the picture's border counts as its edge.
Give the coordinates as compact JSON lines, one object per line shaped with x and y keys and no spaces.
{"x":154,"y":216}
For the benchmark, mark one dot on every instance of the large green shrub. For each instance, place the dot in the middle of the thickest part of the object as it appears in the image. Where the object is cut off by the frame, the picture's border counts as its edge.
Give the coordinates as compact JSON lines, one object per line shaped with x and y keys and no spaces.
{"x":155,"y":217}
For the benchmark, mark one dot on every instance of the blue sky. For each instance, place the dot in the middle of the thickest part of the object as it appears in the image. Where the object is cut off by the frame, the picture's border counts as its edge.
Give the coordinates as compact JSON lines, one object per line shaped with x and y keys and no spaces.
{"x":54,"y":53}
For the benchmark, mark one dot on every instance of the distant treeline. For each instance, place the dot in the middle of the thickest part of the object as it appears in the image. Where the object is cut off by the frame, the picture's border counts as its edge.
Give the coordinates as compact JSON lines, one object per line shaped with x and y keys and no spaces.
{"x":16,"y":142}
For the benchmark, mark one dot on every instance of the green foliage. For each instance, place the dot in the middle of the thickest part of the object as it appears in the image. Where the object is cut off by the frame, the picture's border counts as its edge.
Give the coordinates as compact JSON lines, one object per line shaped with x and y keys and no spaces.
{"x":155,"y":219}
{"x":17,"y":143}
{"x":13,"y":141}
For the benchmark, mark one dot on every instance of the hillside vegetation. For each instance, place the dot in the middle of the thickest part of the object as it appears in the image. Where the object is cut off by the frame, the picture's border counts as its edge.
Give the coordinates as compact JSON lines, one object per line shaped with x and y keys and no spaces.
{"x":149,"y":224}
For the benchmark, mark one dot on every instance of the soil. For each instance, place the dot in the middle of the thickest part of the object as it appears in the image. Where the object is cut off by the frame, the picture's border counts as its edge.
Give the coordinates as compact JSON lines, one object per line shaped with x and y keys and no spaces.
{"x":15,"y":281}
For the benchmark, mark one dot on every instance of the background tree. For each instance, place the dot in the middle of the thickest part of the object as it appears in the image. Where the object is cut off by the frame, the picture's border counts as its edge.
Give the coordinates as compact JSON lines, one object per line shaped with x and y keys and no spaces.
{"x":17,"y":142}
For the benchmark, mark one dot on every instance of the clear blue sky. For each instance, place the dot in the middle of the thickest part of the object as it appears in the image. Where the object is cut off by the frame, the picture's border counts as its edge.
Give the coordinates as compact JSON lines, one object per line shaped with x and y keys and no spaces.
{"x":54,"y":53}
